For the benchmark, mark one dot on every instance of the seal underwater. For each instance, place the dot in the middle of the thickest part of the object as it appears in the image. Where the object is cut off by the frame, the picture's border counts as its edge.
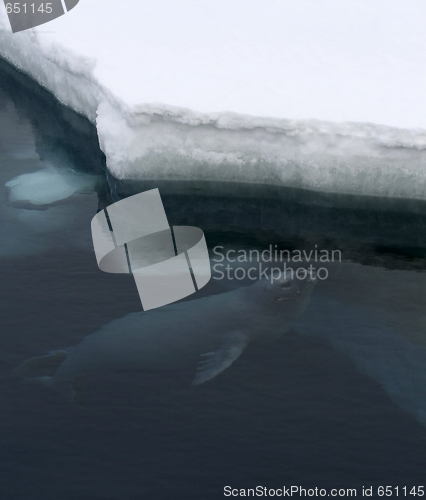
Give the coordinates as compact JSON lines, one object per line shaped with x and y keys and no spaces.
{"x":212,"y":330}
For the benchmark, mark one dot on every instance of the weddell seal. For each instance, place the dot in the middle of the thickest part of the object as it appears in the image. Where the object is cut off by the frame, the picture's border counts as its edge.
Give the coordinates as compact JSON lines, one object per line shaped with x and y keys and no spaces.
{"x":212,"y":330}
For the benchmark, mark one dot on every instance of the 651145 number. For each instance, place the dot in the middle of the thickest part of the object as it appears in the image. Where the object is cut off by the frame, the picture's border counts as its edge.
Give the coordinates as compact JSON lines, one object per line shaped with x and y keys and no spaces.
{"x":24,"y":8}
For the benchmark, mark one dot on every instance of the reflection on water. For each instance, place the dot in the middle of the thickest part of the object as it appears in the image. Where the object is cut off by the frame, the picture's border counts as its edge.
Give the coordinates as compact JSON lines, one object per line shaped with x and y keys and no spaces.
{"x":328,"y":396}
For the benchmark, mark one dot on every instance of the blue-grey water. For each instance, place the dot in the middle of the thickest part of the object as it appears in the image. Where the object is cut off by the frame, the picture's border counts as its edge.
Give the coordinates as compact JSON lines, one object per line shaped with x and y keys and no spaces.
{"x":339,"y":402}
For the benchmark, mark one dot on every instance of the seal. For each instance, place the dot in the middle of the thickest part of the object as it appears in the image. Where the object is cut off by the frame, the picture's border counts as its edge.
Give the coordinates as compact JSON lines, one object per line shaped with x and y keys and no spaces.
{"x":212,"y":330}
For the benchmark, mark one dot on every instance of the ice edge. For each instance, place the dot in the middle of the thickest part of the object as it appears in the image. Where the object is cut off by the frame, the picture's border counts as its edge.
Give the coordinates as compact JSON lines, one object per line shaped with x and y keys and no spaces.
{"x":159,"y":141}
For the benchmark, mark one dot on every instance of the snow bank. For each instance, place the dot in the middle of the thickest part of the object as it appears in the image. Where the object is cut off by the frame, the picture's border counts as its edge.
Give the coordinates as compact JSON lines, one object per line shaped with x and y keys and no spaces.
{"x":68,"y":76}
{"x":348,"y":158}
{"x":223,"y":68}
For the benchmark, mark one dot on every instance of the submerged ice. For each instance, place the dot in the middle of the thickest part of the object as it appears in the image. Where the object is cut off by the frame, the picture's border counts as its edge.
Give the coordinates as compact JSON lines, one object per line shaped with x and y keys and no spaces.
{"x":48,"y":186}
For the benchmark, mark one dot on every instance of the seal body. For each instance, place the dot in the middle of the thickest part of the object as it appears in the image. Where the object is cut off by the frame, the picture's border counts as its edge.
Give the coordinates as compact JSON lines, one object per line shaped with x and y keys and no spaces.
{"x":215,"y":329}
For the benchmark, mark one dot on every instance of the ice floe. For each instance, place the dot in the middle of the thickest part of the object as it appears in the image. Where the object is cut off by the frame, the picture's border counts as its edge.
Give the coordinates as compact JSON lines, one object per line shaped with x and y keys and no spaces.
{"x":48,"y":186}
{"x":318,"y":95}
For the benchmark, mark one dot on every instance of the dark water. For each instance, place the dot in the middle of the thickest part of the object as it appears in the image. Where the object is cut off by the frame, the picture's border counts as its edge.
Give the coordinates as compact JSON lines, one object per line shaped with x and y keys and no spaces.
{"x":339,"y":402}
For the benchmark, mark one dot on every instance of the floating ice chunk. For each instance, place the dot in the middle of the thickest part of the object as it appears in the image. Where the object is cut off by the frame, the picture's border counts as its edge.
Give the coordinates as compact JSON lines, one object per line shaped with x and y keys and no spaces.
{"x":48,"y":186}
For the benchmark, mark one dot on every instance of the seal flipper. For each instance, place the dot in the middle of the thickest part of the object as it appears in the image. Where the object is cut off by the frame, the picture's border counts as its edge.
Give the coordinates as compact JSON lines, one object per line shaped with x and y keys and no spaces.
{"x":216,"y":362}
{"x":40,"y":366}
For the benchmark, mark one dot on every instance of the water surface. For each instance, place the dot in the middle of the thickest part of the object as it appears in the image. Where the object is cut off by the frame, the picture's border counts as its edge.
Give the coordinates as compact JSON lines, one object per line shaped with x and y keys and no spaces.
{"x":338,"y":402}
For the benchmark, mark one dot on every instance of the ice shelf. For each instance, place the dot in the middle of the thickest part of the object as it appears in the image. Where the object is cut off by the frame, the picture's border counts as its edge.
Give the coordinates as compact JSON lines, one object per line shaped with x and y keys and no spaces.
{"x":323,"y":95}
